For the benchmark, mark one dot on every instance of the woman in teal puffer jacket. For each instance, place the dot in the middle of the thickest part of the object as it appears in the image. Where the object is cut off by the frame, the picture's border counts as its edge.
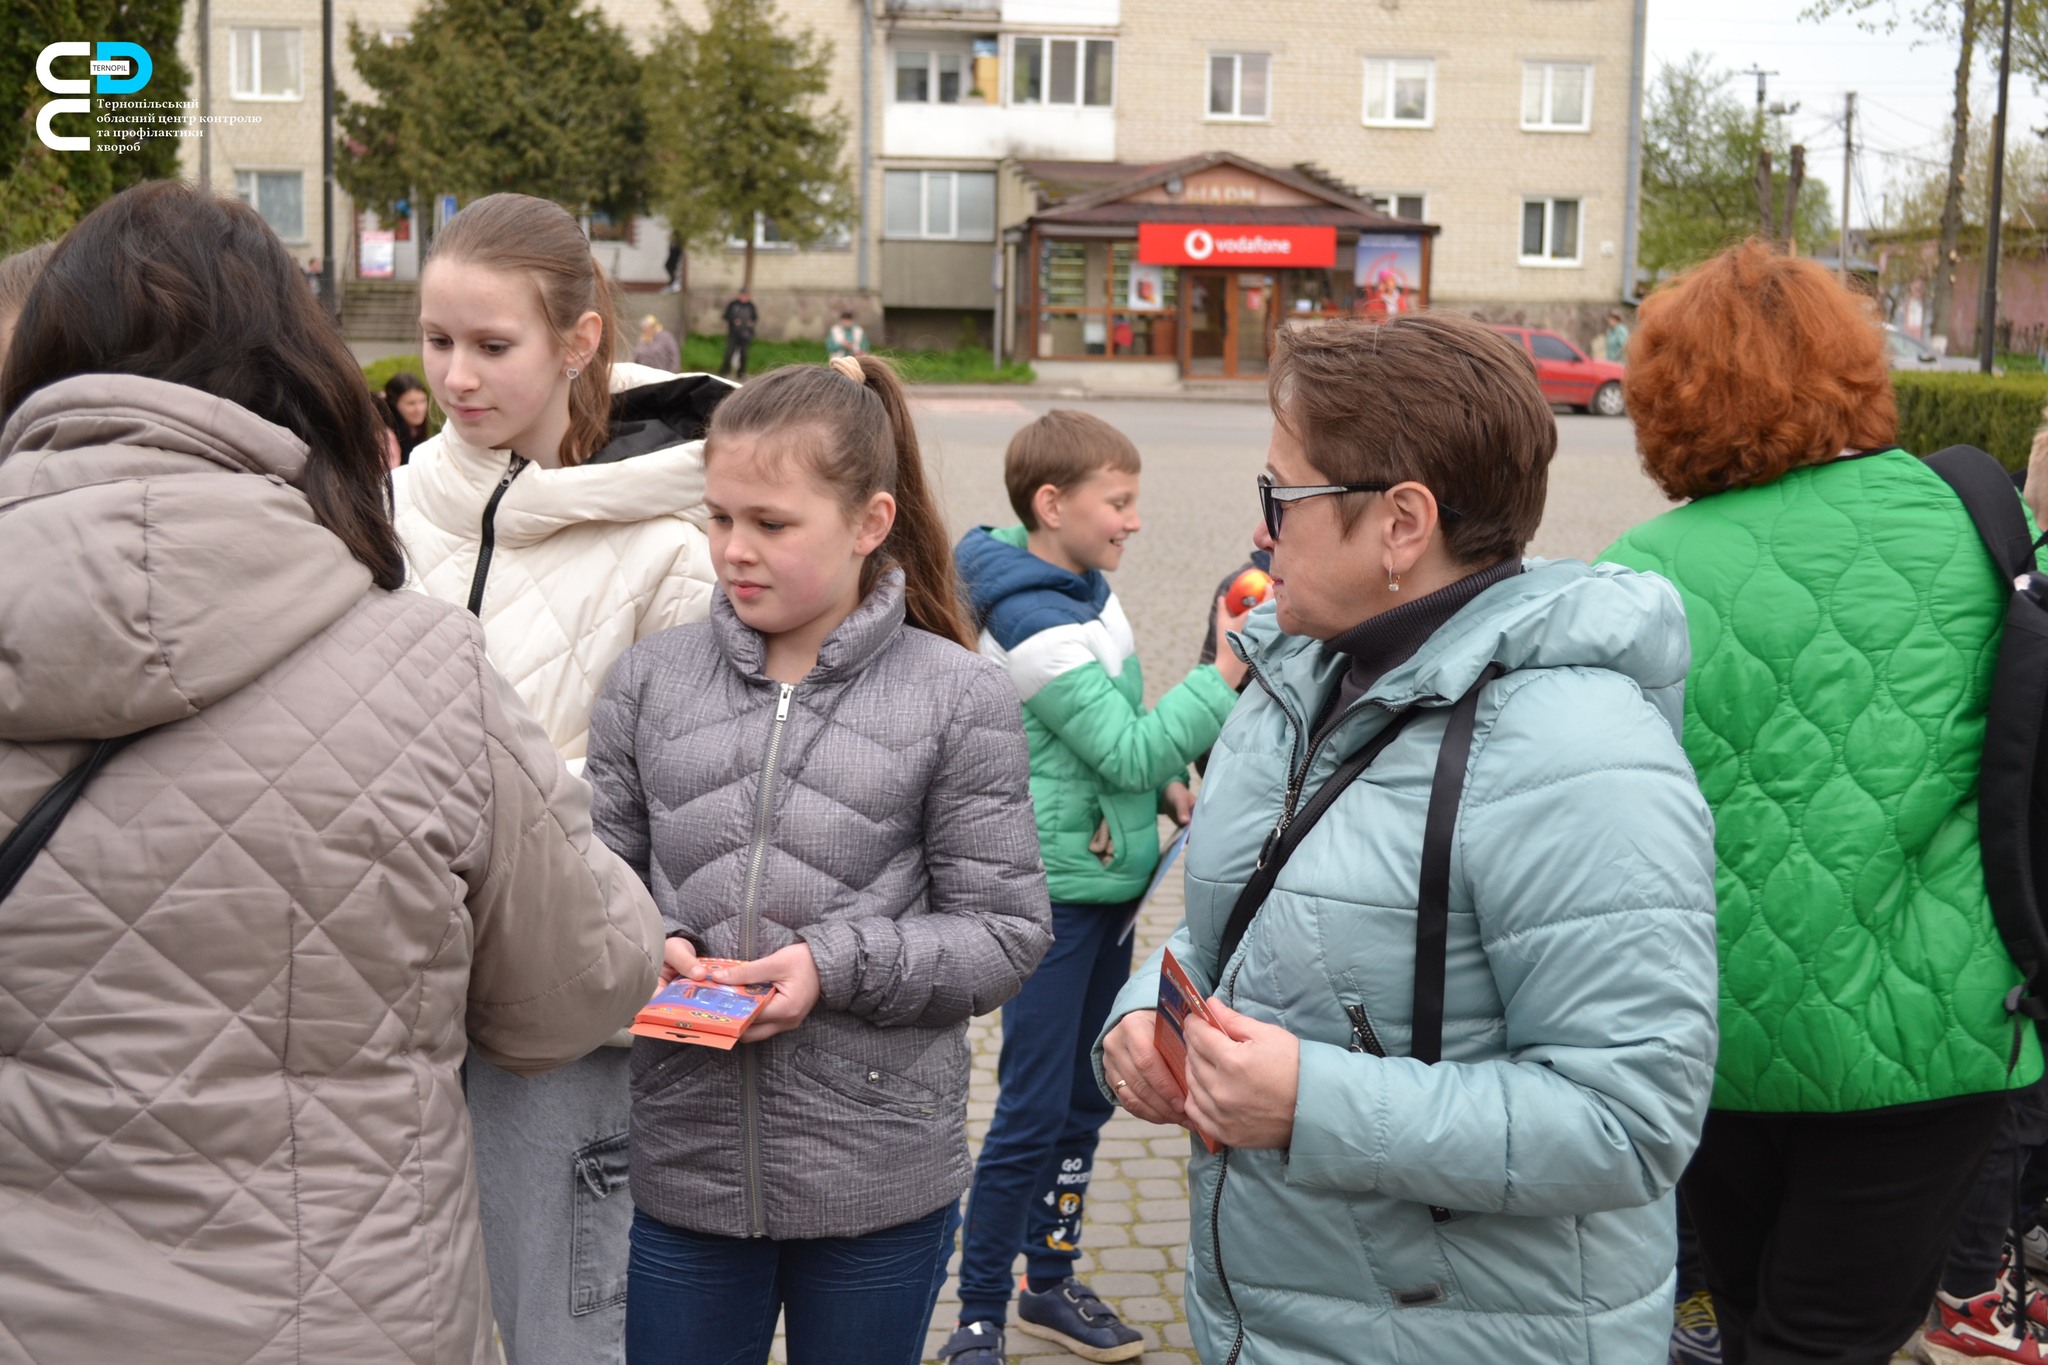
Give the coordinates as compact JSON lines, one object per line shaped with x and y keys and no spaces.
{"x":1512,"y":1202}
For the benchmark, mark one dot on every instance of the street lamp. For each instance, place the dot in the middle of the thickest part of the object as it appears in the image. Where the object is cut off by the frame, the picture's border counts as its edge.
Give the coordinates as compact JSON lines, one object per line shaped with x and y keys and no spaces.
{"x":1987,"y":344}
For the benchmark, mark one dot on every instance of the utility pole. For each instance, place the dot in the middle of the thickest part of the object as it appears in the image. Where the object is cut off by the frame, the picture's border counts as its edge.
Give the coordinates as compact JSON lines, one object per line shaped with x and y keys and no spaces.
{"x":1848,"y":166}
{"x":1788,"y":224}
{"x":327,"y":271}
{"x":1987,"y":346}
{"x":1762,"y":76}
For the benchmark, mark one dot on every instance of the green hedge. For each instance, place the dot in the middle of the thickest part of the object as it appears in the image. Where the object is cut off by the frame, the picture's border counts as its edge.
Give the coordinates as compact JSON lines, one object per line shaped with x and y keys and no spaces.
{"x":1998,"y":413}
{"x":966,"y":365}
{"x":378,"y":372}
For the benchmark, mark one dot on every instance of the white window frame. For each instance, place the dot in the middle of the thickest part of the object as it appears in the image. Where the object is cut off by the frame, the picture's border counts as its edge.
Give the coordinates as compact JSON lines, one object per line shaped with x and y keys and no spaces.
{"x":1390,"y":201}
{"x":255,"y":198}
{"x":841,"y":240}
{"x":1237,"y":61}
{"x":924,"y":206}
{"x":1392,"y":65}
{"x":1550,"y":203}
{"x":255,"y":68}
{"x":932,"y":57}
{"x":1046,"y":40}
{"x":1550,"y":70}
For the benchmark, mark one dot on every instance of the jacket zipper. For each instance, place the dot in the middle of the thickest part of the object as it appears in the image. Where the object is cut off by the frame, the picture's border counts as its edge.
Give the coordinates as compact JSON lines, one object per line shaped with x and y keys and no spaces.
{"x":1365,"y":1039}
{"x":750,"y":919}
{"x":1216,"y":1200}
{"x":489,"y":539}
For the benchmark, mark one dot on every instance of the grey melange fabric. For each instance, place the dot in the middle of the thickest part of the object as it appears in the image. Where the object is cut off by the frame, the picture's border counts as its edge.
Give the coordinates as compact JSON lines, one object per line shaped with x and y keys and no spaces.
{"x":236,"y":985}
{"x":885,"y":820}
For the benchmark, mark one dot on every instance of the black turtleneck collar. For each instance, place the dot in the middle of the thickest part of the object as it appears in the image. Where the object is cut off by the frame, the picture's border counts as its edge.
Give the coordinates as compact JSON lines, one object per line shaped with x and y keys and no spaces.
{"x":1383,"y":643}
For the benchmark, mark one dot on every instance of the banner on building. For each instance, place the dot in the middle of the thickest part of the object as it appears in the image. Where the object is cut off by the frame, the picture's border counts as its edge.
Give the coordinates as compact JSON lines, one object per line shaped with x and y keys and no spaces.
{"x":1237,"y":244}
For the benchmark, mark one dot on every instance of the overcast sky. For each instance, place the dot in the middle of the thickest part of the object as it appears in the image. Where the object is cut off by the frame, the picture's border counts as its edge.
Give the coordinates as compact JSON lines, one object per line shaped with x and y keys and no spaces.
{"x":1903,"y":83}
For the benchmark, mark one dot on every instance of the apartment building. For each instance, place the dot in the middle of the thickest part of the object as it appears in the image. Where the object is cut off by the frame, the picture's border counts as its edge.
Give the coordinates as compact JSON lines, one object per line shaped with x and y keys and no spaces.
{"x":1479,"y":152}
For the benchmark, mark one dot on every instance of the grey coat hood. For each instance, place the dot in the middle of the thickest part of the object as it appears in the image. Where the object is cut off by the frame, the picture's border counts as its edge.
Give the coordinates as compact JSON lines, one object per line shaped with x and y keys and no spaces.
{"x":156,"y":555}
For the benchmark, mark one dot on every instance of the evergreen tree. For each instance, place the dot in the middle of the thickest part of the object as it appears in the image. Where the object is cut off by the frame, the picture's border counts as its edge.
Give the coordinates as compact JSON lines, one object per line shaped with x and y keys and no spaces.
{"x":541,"y":98}
{"x":42,"y":193}
{"x":735,"y":130}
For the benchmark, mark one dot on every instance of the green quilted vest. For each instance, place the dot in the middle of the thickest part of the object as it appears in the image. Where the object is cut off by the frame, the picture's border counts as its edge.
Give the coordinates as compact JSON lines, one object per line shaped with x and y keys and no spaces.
{"x":1844,"y":623}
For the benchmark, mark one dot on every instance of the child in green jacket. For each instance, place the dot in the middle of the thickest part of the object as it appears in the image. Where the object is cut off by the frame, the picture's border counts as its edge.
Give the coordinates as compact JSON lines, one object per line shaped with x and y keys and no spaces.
{"x":1102,"y":770}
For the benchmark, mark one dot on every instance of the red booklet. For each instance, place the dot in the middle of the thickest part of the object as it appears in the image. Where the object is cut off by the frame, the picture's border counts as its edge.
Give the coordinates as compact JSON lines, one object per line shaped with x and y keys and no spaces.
{"x":1178,"y":998}
{"x":702,"y":1012}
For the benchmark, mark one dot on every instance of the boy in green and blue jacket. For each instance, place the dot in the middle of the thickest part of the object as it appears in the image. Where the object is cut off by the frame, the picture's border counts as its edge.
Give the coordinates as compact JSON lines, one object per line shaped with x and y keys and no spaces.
{"x":1103,"y":768}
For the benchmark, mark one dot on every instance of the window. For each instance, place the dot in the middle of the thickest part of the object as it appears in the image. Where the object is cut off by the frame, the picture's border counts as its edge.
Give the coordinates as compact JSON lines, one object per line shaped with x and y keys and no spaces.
{"x":1238,"y":84}
{"x":948,"y":206}
{"x":1550,"y":232}
{"x":930,"y":77}
{"x":279,"y":198}
{"x":1548,"y":347}
{"x":768,"y":236}
{"x":1063,"y":71}
{"x":1400,"y":92}
{"x":267,"y":64}
{"x":1410,"y":206}
{"x":1557,"y":97}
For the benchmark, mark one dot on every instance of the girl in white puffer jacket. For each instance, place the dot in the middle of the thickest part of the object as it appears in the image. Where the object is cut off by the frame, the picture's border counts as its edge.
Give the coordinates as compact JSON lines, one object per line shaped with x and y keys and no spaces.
{"x":563,"y":504}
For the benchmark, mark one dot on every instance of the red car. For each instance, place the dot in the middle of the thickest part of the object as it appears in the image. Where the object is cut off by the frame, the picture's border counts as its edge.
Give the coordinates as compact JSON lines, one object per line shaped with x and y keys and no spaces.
{"x":1568,"y":375}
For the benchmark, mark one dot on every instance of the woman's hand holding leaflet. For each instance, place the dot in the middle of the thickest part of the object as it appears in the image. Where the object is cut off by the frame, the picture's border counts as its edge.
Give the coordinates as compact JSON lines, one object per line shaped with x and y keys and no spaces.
{"x":1129,"y":1056}
{"x":794,"y":974}
{"x":678,"y":958}
{"x":1242,"y":1079}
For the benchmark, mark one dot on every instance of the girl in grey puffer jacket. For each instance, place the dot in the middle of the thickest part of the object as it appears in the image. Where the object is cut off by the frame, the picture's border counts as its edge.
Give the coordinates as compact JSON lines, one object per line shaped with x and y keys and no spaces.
{"x":826,"y":781}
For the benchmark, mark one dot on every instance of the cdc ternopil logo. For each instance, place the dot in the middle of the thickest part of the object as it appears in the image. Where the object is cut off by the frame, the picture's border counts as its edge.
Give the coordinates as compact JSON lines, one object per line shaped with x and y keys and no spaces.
{"x":117,"y":69}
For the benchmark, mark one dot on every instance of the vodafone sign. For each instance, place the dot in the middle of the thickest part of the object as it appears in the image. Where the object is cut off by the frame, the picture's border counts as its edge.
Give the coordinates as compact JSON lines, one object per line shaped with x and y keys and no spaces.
{"x":1230,"y":244}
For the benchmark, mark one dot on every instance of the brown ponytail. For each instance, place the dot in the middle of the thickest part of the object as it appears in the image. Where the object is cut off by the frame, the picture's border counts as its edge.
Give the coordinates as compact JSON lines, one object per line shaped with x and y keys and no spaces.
{"x":865,"y":442}
{"x":520,"y":234}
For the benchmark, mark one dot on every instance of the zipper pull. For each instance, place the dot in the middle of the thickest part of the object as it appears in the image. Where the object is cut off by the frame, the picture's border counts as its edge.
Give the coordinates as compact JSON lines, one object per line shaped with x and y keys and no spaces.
{"x":1272,"y":844}
{"x":782,"y":702}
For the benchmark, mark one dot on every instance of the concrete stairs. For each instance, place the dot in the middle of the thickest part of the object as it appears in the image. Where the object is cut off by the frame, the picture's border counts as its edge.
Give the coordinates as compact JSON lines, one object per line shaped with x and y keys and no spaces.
{"x":385,"y":310}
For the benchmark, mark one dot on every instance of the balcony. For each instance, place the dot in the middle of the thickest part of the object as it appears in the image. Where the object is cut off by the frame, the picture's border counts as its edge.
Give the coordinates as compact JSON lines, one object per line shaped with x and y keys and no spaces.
{"x":1032,"y":13}
{"x":990,"y":132}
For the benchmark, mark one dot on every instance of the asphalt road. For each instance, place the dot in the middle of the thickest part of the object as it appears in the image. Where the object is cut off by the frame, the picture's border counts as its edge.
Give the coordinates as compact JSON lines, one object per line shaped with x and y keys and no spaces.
{"x":1199,"y":506}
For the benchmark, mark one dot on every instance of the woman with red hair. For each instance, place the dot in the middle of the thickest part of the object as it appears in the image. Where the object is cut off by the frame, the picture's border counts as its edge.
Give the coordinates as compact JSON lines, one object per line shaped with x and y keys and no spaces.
{"x":1844,"y":619}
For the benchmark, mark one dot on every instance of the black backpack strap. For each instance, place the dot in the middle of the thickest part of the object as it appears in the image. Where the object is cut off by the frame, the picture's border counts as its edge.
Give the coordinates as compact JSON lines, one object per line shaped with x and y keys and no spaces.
{"x":35,"y":829}
{"x":1987,"y":494}
{"x":1433,"y":903}
{"x":1280,"y":845}
{"x":2012,"y":789}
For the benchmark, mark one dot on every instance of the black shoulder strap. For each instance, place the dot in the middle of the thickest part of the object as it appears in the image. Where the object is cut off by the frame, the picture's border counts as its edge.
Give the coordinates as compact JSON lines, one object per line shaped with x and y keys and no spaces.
{"x":1433,"y":903}
{"x":1987,"y":494}
{"x":28,"y":837}
{"x":1279,"y":849}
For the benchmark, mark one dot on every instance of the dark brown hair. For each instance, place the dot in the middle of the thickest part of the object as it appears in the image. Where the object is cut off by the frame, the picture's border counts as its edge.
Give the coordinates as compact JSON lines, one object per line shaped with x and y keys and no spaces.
{"x":1062,"y":448}
{"x":1750,"y":365}
{"x":175,"y":283}
{"x":1436,"y":398}
{"x":522,"y":235}
{"x":859,"y":438}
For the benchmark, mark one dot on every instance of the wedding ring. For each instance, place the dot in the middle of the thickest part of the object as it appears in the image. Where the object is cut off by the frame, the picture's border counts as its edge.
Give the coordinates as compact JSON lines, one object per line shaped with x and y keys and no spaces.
{"x":1121,"y":1084}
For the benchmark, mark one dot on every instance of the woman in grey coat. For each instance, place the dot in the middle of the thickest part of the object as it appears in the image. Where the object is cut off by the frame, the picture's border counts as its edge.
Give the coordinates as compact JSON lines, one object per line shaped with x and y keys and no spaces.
{"x":828,"y":783}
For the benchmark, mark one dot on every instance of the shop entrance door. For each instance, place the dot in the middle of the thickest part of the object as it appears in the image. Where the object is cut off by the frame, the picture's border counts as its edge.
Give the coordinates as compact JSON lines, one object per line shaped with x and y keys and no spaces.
{"x":1227,"y":323}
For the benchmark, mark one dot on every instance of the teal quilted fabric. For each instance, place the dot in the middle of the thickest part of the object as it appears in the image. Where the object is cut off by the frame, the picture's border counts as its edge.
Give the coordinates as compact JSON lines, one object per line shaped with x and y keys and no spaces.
{"x":1844,"y":621}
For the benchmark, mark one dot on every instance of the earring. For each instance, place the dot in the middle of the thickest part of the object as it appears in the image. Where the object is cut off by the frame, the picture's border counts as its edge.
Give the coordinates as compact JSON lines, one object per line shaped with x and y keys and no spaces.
{"x":574,"y":372}
{"x":1393,"y":582}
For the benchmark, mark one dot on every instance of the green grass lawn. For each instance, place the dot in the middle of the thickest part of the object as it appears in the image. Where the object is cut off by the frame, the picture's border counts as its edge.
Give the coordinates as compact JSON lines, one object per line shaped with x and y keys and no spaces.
{"x":968,"y":365}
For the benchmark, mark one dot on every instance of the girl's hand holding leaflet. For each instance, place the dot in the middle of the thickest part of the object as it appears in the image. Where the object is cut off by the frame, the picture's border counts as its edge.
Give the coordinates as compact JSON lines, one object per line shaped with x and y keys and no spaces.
{"x":678,"y":958}
{"x":1242,"y":1079}
{"x":1128,"y":1055}
{"x":794,"y":974}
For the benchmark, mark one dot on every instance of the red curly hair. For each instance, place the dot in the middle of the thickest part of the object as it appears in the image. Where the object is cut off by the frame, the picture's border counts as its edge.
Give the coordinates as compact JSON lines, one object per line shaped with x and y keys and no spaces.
{"x":1752,"y":364}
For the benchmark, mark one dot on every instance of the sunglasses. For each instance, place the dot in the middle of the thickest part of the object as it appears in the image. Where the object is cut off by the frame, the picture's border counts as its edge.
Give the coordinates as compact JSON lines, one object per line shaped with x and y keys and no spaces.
{"x":1274,"y":498}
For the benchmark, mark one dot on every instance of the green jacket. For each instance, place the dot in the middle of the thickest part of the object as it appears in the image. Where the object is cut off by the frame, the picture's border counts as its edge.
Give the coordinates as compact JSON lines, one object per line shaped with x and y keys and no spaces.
{"x":1098,"y":759}
{"x":1845,"y":620}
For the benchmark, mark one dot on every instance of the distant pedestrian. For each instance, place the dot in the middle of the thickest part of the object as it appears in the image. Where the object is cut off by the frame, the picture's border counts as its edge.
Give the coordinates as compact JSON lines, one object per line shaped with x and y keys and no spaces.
{"x":1616,"y":339}
{"x":405,"y":398}
{"x":885,"y":880}
{"x":847,"y":337}
{"x":657,"y":349}
{"x":313,"y":276}
{"x":741,"y":318}
{"x":672,"y":264}
{"x":1844,"y":622}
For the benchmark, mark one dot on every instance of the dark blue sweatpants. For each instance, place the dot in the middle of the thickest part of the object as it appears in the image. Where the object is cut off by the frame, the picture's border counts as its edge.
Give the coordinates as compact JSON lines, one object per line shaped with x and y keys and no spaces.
{"x":1032,"y":1180}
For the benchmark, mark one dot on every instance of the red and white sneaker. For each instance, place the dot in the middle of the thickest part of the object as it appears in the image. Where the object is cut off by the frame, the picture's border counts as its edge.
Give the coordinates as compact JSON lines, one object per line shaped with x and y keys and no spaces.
{"x":1980,"y":1328}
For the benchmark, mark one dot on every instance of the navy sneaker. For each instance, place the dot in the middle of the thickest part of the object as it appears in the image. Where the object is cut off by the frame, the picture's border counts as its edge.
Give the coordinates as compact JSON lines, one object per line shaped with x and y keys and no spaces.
{"x":1696,"y":1334}
{"x":974,"y":1343}
{"x":1070,"y":1314}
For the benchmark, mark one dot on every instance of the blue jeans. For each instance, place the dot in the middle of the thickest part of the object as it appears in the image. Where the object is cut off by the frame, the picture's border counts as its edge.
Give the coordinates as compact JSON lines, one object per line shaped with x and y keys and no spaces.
{"x":1031,"y":1182}
{"x":700,"y":1299}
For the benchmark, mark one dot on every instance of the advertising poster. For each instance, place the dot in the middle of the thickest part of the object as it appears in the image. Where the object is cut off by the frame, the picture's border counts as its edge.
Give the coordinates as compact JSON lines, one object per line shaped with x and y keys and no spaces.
{"x":378,"y":257}
{"x":1148,"y":287}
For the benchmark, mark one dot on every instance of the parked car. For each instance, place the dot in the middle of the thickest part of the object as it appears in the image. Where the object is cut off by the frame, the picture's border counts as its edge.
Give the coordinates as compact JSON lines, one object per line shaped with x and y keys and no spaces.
{"x":1570,"y":376}
{"x":1906,"y":352}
